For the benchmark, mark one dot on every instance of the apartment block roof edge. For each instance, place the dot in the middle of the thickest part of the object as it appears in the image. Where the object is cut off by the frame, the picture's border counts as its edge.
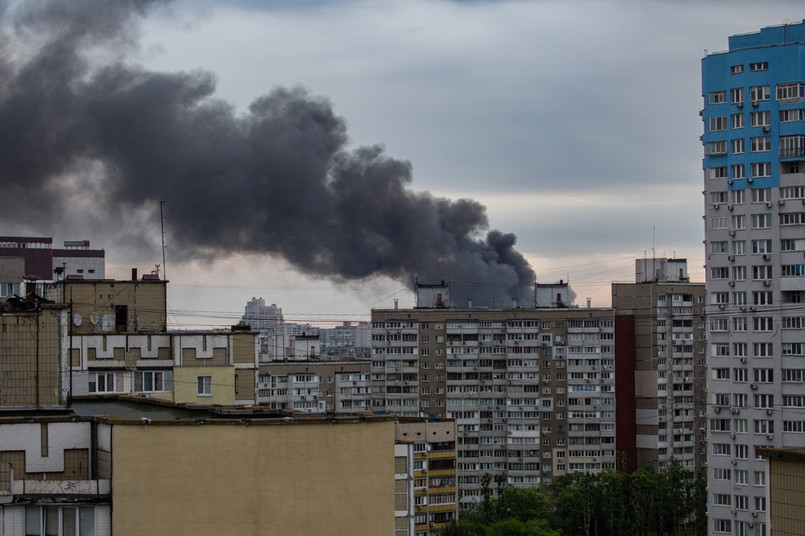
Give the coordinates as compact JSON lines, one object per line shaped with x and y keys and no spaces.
{"x":127,"y":409}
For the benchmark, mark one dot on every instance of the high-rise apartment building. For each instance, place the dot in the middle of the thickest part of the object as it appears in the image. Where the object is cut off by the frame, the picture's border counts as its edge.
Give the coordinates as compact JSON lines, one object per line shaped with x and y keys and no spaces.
{"x":660,"y":345}
{"x":532,"y":390}
{"x":754,"y":187}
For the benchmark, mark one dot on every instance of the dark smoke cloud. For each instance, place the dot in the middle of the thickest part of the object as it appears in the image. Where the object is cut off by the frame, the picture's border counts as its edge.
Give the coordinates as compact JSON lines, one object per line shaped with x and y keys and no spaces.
{"x":87,"y":135}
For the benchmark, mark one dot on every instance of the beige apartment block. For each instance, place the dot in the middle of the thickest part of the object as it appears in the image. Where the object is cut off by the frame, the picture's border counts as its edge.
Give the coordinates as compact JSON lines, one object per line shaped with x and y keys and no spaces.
{"x":428,"y":449}
{"x":123,"y":466}
{"x":200,"y":367}
{"x":111,"y":306}
{"x":785,"y":490}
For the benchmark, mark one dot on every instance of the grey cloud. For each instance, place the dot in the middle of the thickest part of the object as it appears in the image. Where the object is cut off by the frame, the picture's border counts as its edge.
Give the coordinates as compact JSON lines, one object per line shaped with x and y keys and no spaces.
{"x":79,"y":122}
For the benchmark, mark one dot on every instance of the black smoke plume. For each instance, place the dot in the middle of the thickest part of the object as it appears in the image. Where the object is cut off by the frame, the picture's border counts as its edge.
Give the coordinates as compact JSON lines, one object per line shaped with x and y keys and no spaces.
{"x":87,"y":135}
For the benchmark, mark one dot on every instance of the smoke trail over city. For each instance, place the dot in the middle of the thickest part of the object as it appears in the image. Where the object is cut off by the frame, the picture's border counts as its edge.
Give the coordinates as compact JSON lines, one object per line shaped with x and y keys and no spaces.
{"x":87,"y":135}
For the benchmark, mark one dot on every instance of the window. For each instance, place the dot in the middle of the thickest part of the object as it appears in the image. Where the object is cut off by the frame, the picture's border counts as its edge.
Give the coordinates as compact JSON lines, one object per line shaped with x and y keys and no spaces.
{"x":761,"y":195}
{"x":761,"y":221}
{"x":153,"y":381}
{"x":59,"y":521}
{"x":762,"y":349}
{"x":715,"y":148}
{"x":718,"y":97}
{"x":739,"y":222}
{"x":719,"y":222}
{"x":105,"y":382}
{"x":764,"y":426}
{"x":718,"y":197}
{"x":739,"y":171}
{"x":788,"y":91}
{"x":761,"y":246}
{"x":793,"y":270}
{"x":738,"y":145}
{"x":760,"y":119}
{"x":721,"y":272}
{"x":761,"y":144}
{"x":738,"y":197}
{"x":737,"y":121}
{"x":716,"y":172}
{"x":764,"y":401}
{"x":718,"y":247}
{"x":792,"y":192}
{"x":763,"y":297}
{"x":795,"y":218}
{"x":739,"y":247}
{"x":718,"y":123}
{"x":204,"y":385}
{"x":797,"y":114}
{"x":792,"y":146}
{"x":761,"y":169}
{"x":737,"y":95}
{"x":736,"y":69}
{"x":739,"y":273}
{"x":759,"y":66}
{"x":761,"y":272}
{"x":759,"y":93}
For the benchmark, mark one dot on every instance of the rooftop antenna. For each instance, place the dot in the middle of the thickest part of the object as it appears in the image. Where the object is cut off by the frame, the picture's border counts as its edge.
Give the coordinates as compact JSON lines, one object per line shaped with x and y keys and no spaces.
{"x":162,"y":227}
{"x":653,"y":253}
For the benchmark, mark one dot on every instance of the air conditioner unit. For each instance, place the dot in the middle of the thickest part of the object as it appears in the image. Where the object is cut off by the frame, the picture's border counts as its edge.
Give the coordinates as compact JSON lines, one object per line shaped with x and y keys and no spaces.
{"x":721,"y":306}
{"x":729,"y":207}
{"x":781,"y":201}
{"x":768,"y":412}
{"x":766,"y":283}
{"x":729,"y":182}
{"x":717,"y":409}
{"x":768,"y":204}
{"x":730,"y":257}
{"x":749,"y":180}
{"x":754,"y":514}
{"x":765,"y":129}
{"x":754,"y":103}
{"x":766,"y":257}
{"x":732,"y":436}
{"x":735,"y":411}
{"x":740,"y":105}
{"x":715,"y":206}
{"x":743,"y":360}
{"x":753,"y":386}
{"x":731,"y":283}
{"x":731,"y":232}
{"x":733,"y":511}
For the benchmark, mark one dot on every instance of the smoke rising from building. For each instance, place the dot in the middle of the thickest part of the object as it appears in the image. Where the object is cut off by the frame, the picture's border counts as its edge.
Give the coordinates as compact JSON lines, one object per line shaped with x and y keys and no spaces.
{"x":88,"y":135}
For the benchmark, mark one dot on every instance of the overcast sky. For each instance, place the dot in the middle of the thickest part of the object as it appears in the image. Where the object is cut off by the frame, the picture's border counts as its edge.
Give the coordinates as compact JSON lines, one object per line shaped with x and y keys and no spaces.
{"x":574,"y":122}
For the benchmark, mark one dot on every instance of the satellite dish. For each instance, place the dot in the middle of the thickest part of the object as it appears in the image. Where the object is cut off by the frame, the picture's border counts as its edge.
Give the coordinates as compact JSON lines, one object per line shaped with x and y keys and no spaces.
{"x":77,"y":320}
{"x":93,"y":317}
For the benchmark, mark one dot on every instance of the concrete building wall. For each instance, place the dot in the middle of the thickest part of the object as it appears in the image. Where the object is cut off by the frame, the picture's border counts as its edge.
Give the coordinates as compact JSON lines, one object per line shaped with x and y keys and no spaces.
{"x":106,"y":306}
{"x":204,"y":385}
{"x":34,"y":357}
{"x":236,"y":479}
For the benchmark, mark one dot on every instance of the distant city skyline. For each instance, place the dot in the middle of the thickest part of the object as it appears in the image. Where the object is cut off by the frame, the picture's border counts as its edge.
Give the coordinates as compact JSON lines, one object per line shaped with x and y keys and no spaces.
{"x":576,"y":128}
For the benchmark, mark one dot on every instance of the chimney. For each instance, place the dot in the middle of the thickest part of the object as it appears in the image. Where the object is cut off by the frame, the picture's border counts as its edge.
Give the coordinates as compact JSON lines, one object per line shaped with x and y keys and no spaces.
{"x":134,"y":274}
{"x":589,"y":303}
{"x":469,"y":303}
{"x":396,"y":304}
